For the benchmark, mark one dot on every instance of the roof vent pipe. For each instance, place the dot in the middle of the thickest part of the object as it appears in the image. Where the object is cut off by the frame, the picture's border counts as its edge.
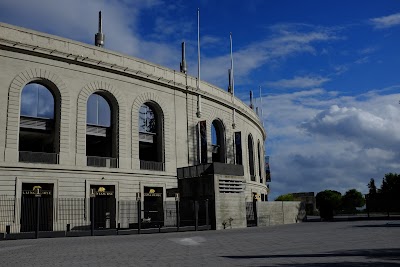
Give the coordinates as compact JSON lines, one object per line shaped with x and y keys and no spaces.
{"x":251,"y":100}
{"x":99,"y":37}
{"x":183,"y":63}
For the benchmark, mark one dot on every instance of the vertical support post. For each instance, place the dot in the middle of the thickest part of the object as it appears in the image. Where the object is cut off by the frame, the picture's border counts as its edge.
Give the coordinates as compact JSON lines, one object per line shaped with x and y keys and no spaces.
{"x":207,"y":216}
{"x":92,"y":215}
{"x":139,"y":214}
{"x":177,"y":212}
{"x":196,"y":215}
{"x":37,"y":216}
{"x":255,"y":210}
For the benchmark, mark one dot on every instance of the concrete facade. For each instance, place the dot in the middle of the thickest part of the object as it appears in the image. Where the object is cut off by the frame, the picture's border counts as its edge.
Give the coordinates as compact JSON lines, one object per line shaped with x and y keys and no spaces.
{"x":74,"y":71}
{"x":280,"y":212}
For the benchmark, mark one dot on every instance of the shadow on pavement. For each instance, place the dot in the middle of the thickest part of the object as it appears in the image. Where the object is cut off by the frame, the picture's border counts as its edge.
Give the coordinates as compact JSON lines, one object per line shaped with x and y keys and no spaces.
{"x":343,"y":264}
{"x":378,"y":225}
{"x":381,"y":254}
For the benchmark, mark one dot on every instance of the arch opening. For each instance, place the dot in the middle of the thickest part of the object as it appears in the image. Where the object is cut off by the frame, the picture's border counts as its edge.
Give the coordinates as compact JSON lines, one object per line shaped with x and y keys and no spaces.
{"x":218,"y":141}
{"x":101,"y":131}
{"x":250,"y":145}
{"x":39,"y":123}
{"x":151,"y":154}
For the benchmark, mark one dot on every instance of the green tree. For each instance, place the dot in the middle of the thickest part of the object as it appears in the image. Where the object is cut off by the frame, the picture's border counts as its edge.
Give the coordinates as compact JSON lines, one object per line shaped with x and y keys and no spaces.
{"x":286,"y":197}
{"x":328,"y":203}
{"x":387,"y":197}
{"x":390,"y":192}
{"x":372,"y":187}
{"x":352,"y":200}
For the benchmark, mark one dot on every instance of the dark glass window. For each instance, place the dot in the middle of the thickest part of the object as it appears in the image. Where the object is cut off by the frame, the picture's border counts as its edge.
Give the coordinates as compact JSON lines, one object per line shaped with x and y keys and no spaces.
{"x":259,"y":162}
{"x":147,"y":120}
{"x":101,"y":141}
{"x":37,"y":101}
{"x":218,"y":141}
{"x":150,"y":137}
{"x":98,"y":111}
{"x":38,"y":138}
{"x":202,"y":142}
{"x":238,"y":148}
{"x":250,"y":144}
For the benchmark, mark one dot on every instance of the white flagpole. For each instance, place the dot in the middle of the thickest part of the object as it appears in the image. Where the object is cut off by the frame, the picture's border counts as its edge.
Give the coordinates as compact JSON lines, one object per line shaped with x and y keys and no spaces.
{"x":198,"y":48}
{"x":261,"y":107}
{"x":233,"y":85}
{"x":198,"y":65}
{"x":232,"y":79}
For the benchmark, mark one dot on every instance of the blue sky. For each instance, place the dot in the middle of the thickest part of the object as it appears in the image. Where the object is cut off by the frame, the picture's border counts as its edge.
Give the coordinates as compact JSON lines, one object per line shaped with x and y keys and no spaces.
{"x":329,"y":71}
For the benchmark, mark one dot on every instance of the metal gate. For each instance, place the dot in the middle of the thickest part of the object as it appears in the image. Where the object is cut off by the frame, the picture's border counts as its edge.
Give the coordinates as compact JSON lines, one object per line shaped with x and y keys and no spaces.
{"x":251,"y":214}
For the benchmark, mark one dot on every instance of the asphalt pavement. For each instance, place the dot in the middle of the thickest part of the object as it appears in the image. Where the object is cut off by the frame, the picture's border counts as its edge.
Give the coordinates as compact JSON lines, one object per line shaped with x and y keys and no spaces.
{"x":359,"y":243}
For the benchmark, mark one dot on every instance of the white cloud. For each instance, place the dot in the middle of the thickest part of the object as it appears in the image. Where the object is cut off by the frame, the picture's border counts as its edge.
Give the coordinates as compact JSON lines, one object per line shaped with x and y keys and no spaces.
{"x":386,"y":21}
{"x":285,"y":42}
{"x":299,"y":82}
{"x":77,"y":20}
{"x":359,"y":126}
{"x":315,"y":144}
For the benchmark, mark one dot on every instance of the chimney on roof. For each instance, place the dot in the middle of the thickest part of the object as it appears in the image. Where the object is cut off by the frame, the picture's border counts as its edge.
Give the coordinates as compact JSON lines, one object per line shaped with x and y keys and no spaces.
{"x":99,"y":37}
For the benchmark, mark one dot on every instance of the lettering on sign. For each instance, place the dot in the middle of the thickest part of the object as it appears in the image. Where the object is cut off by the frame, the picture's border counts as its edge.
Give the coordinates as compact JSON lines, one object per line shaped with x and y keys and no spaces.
{"x":105,"y":193}
{"x":153,"y":194}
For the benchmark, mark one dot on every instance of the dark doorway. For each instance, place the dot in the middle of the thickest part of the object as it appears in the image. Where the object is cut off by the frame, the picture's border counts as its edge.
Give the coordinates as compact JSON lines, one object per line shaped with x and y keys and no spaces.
{"x":37,"y":200}
{"x":103,"y":206}
{"x":153,"y":207}
{"x":251,"y":212}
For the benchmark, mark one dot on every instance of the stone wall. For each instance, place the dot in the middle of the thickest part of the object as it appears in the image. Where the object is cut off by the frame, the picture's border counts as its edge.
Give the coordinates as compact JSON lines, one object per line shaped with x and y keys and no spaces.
{"x":230,"y":207}
{"x":280,"y":212}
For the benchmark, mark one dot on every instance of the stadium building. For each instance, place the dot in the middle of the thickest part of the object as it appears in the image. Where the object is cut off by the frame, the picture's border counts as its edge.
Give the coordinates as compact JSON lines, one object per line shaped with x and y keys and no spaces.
{"x":91,"y":131}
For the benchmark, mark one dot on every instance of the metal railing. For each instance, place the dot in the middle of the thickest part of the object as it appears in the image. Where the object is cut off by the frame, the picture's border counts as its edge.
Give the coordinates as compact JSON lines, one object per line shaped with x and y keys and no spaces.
{"x":102,"y":162}
{"x":152,"y":165}
{"x":38,"y":216}
{"x":38,"y":157}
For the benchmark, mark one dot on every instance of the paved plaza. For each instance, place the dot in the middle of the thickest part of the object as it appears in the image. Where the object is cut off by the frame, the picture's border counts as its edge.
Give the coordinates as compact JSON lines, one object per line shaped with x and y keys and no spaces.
{"x":361,"y":243}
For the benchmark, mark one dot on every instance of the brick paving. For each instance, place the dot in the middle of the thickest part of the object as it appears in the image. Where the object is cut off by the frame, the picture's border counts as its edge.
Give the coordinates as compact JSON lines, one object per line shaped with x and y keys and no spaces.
{"x":361,"y":243}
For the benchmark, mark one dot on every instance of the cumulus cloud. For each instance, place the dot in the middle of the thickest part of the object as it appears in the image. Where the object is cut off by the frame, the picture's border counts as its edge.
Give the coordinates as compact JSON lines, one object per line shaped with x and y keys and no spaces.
{"x":359,"y":126}
{"x":386,"y":21}
{"x":299,"y":82}
{"x":314,"y":144}
{"x":77,"y":20}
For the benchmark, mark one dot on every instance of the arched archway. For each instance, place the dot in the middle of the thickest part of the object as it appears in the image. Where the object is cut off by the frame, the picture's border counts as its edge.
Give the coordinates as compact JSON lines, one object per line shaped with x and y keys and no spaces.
{"x":259,"y":152}
{"x":101,"y":130}
{"x":250,"y":146}
{"x":151,"y":136}
{"x":218,"y":141}
{"x":39,"y":138}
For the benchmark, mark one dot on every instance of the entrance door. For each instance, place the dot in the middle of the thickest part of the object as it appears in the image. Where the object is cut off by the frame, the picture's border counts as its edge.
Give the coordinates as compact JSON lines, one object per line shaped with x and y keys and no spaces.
{"x":34,"y":196}
{"x":153,"y":207}
{"x":103,"y":206}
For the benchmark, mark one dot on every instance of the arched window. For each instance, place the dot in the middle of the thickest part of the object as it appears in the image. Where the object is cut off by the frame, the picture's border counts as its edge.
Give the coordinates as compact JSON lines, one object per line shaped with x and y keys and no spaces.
{"x":39,"y":125}
{"x":101,"y":141}
{"x":238,"y":148}
{"x":250,"y":145}
{"x":151,"y":137}
{"x":218,"y":141}
{"x":259,"y":162}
